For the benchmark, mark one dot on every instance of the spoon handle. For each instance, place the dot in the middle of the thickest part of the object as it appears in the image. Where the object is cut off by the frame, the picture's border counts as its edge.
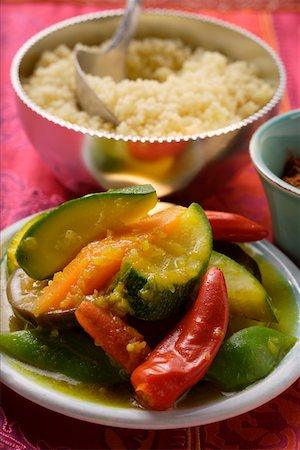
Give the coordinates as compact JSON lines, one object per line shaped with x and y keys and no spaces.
{"x":127,"y":26}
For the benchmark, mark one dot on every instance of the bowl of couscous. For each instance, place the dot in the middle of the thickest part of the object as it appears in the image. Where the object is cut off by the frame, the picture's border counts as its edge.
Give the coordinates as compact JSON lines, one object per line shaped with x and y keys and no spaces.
{"x":195,"y":87}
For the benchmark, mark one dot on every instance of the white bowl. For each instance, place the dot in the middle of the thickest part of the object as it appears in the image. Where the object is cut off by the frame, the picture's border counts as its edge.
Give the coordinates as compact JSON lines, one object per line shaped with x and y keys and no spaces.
{"x":216,"y":409}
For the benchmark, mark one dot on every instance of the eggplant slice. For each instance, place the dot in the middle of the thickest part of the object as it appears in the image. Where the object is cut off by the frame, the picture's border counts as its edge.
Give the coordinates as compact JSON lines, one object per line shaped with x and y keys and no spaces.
{"x":22,"y":293}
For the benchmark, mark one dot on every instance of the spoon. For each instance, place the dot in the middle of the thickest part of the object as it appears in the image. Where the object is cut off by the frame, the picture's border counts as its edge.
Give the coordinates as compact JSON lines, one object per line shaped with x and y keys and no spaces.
{"x":109,"y":60}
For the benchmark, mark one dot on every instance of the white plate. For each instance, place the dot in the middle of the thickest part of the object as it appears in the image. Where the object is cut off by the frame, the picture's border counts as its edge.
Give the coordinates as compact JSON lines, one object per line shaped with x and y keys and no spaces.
{"x":128,"y":417}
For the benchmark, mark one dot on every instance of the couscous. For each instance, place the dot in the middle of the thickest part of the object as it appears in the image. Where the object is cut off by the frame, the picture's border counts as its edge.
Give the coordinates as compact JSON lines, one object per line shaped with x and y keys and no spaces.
{"x":171,"y":90}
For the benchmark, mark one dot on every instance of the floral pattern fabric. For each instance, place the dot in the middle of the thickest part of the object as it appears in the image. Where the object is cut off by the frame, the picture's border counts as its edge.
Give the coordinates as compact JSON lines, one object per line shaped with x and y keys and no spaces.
{"x":28,"y":186}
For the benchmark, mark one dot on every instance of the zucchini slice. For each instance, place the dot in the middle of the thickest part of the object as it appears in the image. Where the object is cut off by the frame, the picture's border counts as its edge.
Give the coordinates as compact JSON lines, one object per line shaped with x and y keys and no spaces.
{"x":11,"y":261}
{"x":235,"y":252}
{"x":247,"y":356}
{"x":54,"y":240}
{"x":162,"y":274}
{"x":246,"y":295}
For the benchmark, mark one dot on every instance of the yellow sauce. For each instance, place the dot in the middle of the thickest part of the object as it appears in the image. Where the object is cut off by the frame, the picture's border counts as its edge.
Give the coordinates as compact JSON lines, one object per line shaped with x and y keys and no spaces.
{"x":276,"y":285}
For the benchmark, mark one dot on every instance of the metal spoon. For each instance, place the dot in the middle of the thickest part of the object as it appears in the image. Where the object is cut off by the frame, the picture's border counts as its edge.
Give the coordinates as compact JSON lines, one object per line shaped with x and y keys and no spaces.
{"x":107,"y":60}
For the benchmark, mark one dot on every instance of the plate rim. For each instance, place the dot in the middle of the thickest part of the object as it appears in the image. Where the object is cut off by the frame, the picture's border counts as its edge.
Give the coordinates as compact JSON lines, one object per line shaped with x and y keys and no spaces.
{"x":117,"y":416}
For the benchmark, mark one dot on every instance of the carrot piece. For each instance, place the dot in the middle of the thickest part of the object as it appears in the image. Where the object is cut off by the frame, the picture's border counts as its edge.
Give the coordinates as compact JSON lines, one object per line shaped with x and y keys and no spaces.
{"x":120,"y":341}
{"x":99,"y":261}
{"x":91,"y":269}
{"x":164,"y":221}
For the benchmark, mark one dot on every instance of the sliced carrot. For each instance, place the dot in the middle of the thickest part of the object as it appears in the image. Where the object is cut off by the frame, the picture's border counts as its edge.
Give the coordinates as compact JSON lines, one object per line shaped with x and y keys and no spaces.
{"x":91,"y":269}
{"x":123,"y":343}
{"x":164,"y":221}
{"x":97,"y":263}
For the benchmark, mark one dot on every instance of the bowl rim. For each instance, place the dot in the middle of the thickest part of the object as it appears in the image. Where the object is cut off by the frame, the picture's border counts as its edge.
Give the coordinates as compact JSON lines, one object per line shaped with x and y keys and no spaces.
{"x":255,"y":153}
{"x":21,"y":53}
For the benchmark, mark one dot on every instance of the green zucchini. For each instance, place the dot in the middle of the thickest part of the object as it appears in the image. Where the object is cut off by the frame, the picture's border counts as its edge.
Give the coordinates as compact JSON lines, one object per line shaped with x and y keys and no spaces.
{"x":156,"y":279}
{"x":11,"y":261}
{"x":246,"y":295}
{"x":247,"y":356}
{"x":69,"y":353}
{"x":235,"y":252}
{"x":54,"y":240}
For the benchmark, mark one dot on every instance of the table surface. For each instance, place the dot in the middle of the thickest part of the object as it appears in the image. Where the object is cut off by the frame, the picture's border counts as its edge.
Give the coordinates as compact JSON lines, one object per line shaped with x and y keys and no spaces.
{"x":28,"y":186}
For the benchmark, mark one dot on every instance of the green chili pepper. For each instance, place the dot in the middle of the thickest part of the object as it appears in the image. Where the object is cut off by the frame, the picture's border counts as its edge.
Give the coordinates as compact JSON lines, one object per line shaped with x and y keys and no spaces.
{"x":70,"y":353}
{"x":247,"y":356}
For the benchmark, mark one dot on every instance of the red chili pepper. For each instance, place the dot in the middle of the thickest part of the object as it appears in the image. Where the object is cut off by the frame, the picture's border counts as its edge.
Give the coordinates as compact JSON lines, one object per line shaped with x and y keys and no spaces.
{"x":233,"y":227}
{"x":185,"y":355}
{"x":121,"y":342}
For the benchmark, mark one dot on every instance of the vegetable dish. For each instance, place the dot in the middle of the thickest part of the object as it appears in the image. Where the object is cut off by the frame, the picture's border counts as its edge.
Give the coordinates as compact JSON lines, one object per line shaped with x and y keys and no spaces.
{"x":114,"y":296}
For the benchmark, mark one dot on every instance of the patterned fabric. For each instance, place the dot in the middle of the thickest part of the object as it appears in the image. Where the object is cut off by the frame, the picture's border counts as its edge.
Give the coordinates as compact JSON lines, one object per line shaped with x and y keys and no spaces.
{"x":194,"y":5}
{"x":28,"y":186}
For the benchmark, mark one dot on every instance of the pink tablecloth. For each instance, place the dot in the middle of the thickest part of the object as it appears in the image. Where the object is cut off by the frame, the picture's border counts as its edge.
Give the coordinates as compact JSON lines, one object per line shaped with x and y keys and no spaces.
{"x":27,"y":186}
